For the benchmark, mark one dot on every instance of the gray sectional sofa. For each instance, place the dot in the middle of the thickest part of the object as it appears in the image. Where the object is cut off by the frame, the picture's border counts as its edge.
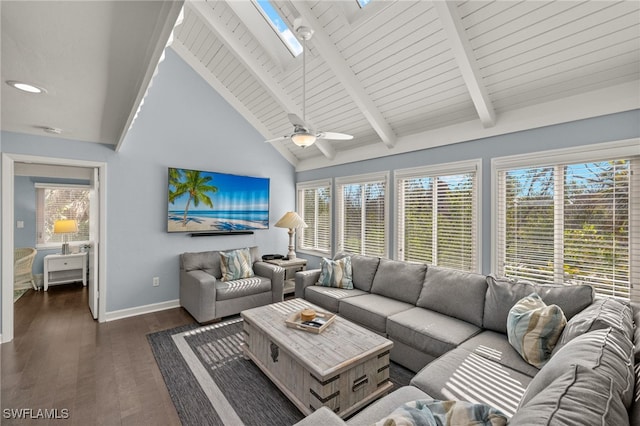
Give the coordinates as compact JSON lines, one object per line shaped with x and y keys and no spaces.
{"x":450,"y":327}
{"x":206,"y":297}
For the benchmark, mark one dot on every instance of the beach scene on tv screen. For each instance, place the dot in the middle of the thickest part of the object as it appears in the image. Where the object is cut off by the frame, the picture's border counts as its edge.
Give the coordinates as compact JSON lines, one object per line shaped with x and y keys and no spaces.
{"x":209,"y":201}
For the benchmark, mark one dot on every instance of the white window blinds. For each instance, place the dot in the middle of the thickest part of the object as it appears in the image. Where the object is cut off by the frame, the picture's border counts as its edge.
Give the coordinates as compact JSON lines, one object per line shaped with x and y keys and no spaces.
{"x":55,"y":202}
{"x":437,"y":216}
{"x":362,"y":214}
{"x":314,"y":205}
{"x":569,"y":222}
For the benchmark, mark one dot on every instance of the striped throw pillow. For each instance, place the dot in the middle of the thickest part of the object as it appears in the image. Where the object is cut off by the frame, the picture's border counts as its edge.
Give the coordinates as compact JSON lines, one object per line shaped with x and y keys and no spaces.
{"x":534,"y":328}
{"x":236,"y":264}
{"x":336,"y":273}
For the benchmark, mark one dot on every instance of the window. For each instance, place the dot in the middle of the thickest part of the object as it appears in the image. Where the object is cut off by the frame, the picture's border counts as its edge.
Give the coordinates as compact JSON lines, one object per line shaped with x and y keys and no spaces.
{"x":54,"y":202}
{"x":437,"y":215}
{"x":563,"y":219}
{"x":362,"y":214}
{"x":363,"y":3}
{"x":279,"y":26}
{"x":314,"y":205}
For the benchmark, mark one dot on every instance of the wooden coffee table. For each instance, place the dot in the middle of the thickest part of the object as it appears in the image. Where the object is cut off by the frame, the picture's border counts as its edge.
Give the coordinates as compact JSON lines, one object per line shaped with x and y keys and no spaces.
{"x":344,"y":368}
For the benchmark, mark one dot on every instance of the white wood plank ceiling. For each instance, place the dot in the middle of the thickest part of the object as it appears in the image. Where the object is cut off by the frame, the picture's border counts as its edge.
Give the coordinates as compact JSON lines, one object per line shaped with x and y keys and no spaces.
{"x":408,"y":75}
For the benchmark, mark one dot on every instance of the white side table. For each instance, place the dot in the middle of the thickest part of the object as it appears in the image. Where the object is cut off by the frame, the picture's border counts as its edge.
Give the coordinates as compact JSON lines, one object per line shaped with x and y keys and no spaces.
{"x":65,"y":268}
{"x":290,"y":268}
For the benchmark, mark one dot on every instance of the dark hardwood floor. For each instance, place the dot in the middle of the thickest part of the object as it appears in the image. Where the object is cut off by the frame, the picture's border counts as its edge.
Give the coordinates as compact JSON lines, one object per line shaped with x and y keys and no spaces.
{"x":102,"y":373}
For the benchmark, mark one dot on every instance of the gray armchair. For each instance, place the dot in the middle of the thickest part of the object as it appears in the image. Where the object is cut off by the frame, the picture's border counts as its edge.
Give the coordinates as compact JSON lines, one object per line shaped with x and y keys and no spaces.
{"x":206,"y":297}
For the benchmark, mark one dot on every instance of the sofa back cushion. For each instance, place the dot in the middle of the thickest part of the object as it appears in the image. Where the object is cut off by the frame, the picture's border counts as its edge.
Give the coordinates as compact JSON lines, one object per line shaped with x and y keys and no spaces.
{"x":364,"y":269}
{"x":454,"y":293}
{"x":503,"y":294}
{"x":608,"y":352}
{"x":209,"y":261}
{"x":578,"y":396}
{"x":399,"y":280}
{"x":602,"y":313}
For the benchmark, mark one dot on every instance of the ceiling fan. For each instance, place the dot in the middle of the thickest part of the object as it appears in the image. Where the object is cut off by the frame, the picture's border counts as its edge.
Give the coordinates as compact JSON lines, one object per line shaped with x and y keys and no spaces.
{"x":303,"y":135}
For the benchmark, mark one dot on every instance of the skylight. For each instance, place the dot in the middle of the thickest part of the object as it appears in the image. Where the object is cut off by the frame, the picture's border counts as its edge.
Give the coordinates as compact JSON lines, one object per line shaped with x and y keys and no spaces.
{"x":279,"y":26}
{"x":363,"y":3}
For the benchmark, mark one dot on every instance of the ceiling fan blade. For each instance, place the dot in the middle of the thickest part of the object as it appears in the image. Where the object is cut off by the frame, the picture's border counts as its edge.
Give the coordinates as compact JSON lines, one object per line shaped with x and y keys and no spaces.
{"x":334,"y":136}
{"x":281,"y":138}
{"x":296,"y":121}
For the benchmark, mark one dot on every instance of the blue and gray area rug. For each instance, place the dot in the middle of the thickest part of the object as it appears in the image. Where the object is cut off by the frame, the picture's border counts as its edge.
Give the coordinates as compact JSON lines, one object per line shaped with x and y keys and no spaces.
{"x":211,"y":383}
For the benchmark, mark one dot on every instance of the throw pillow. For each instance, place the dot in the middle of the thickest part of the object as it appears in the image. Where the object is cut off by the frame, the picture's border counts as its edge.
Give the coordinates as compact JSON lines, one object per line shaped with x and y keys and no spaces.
{"x":336,"y":273}
{"x":236,"y":264}
{"x":534,"y":328}
{"x":431,"y":412}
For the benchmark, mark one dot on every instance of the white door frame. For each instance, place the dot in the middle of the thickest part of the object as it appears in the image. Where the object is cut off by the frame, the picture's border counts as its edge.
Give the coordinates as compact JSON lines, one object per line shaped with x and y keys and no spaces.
{"x":8,"y":162}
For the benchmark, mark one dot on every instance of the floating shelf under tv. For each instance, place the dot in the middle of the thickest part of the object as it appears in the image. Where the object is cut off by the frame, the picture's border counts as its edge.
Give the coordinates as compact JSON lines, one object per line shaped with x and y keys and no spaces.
{"x":215,"y":233}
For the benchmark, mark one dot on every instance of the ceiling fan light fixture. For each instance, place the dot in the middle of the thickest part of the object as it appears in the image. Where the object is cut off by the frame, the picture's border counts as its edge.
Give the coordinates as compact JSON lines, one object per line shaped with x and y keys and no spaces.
{"x":26,"y":87}
{"x":303,"y":139}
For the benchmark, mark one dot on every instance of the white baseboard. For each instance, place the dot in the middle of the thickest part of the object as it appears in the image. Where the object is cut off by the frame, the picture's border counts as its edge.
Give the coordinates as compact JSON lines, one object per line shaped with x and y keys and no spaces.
{"x":141,"y":310}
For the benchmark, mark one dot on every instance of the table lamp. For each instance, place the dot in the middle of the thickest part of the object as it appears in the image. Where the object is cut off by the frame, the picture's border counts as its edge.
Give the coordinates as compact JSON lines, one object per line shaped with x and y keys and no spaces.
{"x":65,"y":227}
{"x":292,"y":221}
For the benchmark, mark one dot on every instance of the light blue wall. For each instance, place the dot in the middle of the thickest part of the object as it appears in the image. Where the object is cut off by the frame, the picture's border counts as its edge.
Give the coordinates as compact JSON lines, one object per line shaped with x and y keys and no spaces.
{"x":184,"y":123}
{"x":612,"y":127}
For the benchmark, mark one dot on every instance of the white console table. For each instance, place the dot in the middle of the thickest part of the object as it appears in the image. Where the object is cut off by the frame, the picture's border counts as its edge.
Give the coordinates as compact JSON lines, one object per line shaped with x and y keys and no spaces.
{"x":65,"y":268}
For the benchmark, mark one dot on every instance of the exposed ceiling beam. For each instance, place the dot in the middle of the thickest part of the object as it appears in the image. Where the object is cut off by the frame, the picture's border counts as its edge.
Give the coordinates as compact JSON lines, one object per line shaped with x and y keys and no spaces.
{"x":239,"y":50}
{"x":164,"y":27}
{"x":463,"y":52}
{"x":222,"y":90}
{"x":327,"y":49}
{"x":610,"y":100}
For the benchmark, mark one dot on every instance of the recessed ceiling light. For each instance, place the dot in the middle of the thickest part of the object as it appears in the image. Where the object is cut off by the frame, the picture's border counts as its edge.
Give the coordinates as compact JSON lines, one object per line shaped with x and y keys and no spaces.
{"x":25,"y":87}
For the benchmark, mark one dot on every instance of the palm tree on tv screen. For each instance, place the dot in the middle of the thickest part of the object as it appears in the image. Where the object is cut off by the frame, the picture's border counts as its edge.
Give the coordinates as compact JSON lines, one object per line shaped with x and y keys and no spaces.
{"x":197,"y":186}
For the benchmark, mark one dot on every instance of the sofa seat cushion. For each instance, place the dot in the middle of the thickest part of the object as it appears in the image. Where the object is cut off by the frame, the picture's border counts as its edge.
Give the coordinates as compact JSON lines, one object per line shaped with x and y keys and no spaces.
{"x":608,"y":352}
{"x":466,"y":376}
{"x":399,"y":280}
{"x":371,"y":310}
{"x":428,"y":331}
{"x":579,"y":396}
{"x":496,"y":347}
{"x":226,"y":290}
{"x":386,"y":405}
{"x":602,"y":313}
{"x":454,"y":293}
{"x":329,"y":297}
{"x":502,"y":294}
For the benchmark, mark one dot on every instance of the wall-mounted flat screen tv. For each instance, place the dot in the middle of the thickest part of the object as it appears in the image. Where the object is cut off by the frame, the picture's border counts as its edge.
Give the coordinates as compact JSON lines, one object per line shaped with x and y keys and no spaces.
{"x":216,"y":202}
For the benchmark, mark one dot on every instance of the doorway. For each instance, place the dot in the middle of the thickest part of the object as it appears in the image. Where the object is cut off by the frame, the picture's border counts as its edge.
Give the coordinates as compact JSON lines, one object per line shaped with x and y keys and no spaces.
{"x":97,"y":293}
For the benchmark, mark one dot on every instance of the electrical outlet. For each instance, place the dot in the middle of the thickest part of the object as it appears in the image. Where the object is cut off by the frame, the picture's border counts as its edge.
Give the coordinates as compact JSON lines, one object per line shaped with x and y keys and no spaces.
{"x":156,"y":281}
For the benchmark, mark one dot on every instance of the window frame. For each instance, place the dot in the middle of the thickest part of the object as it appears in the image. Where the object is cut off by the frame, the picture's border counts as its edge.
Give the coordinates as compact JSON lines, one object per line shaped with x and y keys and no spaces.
{"x":627,"y":148}
{"x":444,"y":169}
{"x":361,"y":179}
{"x":301,"y":187}
{"x":44,"y":186}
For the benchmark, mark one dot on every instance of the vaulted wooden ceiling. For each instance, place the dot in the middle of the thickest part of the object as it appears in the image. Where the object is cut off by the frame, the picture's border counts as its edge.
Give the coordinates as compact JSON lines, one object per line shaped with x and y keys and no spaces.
{"x":406,"y":75}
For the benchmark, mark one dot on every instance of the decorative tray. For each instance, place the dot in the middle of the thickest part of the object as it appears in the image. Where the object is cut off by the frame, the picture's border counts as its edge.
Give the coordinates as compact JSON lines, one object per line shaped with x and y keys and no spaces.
{"x":317,"y":325}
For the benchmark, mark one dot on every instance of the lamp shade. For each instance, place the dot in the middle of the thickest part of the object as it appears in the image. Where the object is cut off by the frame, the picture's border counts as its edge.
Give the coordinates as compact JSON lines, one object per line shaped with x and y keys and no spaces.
{"x":291,"y":220}
{"x":303,"y":139}
{"x":65,"y":226}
